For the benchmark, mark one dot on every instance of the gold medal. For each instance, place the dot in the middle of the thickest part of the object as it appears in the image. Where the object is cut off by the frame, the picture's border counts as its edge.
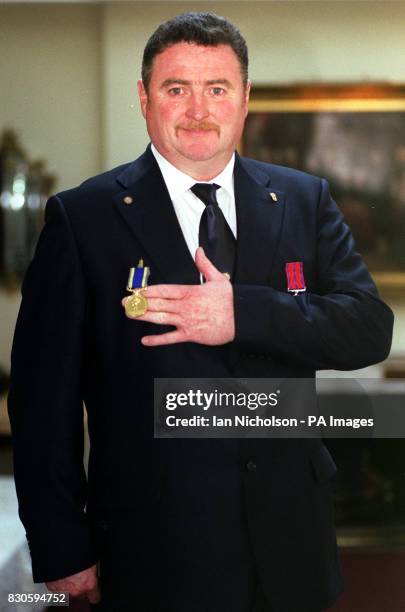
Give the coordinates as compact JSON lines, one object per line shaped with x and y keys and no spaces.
{"x":136,"y":305}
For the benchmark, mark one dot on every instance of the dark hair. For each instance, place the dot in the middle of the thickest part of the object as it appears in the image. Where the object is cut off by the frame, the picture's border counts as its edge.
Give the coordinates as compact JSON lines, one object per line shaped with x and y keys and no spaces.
{"x":206,"y":29}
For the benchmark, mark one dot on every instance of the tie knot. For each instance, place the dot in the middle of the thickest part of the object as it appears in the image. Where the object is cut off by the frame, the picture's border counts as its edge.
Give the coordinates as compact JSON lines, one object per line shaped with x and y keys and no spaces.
{"x":206,"y":192}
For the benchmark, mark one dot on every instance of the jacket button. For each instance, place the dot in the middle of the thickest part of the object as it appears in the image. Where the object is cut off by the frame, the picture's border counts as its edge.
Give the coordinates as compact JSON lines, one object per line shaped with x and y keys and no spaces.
{"x":103,"y":524}
{"x":251,"y":466}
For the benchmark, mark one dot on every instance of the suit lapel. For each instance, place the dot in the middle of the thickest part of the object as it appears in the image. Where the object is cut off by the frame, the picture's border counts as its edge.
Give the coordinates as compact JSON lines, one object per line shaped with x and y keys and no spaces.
{"x":259,"y":219}
{"x":152,"y":219}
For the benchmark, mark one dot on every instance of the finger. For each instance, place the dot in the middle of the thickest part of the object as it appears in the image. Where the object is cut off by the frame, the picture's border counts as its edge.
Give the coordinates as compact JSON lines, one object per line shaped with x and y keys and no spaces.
{"x":161,"y":339}
{"x":207,"y":269}
{"x":94,"y":595}
{"x":170,"y":292}
{"x":163,"y":305}
{"x":161,"y":318}
{"x":156,"y":305}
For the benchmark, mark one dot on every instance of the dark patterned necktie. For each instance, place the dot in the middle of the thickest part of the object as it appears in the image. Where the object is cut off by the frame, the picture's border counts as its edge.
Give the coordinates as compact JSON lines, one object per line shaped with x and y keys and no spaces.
{"x":215,"y":235}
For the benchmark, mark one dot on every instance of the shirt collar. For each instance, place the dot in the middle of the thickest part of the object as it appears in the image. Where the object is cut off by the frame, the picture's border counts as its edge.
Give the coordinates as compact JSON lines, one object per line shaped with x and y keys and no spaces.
{"x":177,"y":182}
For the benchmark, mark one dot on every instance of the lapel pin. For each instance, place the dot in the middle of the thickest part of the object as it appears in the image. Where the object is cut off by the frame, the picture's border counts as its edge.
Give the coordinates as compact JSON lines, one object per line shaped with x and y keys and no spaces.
{"x":128,"y":200}
{"x":273,"y":196}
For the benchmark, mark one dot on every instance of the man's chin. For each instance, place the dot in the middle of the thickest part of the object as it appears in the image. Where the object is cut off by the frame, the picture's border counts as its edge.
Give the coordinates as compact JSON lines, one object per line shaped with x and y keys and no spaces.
{"x":199,"y":153}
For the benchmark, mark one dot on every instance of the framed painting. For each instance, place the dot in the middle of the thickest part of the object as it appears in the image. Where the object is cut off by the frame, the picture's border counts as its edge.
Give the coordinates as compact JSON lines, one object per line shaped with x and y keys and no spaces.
{"x":354,"y":136}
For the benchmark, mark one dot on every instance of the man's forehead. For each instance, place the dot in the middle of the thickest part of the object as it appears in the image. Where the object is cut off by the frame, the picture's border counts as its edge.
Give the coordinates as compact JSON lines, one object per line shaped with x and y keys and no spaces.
{"x":187,"y":55}
{"x":196,"y":63}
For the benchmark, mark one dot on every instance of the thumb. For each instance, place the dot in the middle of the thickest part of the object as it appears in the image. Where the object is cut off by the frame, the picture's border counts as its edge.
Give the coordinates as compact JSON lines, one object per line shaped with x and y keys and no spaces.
{"x":93,"y":595}
{"x":207,"y":269}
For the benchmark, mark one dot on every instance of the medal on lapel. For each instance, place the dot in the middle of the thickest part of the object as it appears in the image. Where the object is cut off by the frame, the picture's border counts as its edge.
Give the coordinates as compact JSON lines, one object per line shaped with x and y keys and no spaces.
{"x":136,"y":305}
{"x":295,"y":277}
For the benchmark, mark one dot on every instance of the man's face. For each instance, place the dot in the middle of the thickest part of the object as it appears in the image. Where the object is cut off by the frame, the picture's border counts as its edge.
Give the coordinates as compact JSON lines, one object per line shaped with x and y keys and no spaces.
{"x":196,"y":105}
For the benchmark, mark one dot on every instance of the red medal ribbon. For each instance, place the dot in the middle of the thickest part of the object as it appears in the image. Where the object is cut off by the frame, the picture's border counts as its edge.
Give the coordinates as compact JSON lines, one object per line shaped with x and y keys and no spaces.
{"x":295,"y":276}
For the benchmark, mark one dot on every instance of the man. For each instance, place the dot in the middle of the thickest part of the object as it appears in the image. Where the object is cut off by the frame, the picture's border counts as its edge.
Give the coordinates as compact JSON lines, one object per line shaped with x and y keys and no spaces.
{"x":184,"y":525}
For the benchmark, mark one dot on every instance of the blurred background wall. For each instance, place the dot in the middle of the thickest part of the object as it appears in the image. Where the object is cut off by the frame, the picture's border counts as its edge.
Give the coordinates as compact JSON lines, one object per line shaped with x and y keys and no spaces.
{"x":68,"y":76}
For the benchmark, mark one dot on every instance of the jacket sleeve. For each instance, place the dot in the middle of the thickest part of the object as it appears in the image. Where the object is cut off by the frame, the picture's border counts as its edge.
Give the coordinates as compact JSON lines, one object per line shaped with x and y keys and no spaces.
{"x":45,"y":404}
{"x":343,"y":326}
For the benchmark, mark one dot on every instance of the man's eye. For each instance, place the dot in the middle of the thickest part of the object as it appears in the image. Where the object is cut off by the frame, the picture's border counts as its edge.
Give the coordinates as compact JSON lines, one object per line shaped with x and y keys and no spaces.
{"x":176,"y":91}
{"x":217,"y":91}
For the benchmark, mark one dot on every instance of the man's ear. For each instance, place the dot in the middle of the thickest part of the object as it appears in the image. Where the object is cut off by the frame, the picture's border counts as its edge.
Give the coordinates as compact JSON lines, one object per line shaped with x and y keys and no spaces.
{"x":247,"y":94}
{"x":143,"y":96}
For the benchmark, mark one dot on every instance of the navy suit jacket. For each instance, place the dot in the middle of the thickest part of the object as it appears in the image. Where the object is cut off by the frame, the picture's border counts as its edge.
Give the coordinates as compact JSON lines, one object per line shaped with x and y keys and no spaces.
{"x":192,"y":500}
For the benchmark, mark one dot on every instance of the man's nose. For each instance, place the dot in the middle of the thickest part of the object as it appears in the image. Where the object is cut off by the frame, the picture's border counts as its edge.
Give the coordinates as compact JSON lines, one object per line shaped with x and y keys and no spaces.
{"x":198,"y":107}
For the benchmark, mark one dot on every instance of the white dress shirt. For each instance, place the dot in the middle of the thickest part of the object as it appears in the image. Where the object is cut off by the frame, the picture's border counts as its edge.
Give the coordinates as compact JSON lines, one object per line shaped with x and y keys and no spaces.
{"x":188,"y":207}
